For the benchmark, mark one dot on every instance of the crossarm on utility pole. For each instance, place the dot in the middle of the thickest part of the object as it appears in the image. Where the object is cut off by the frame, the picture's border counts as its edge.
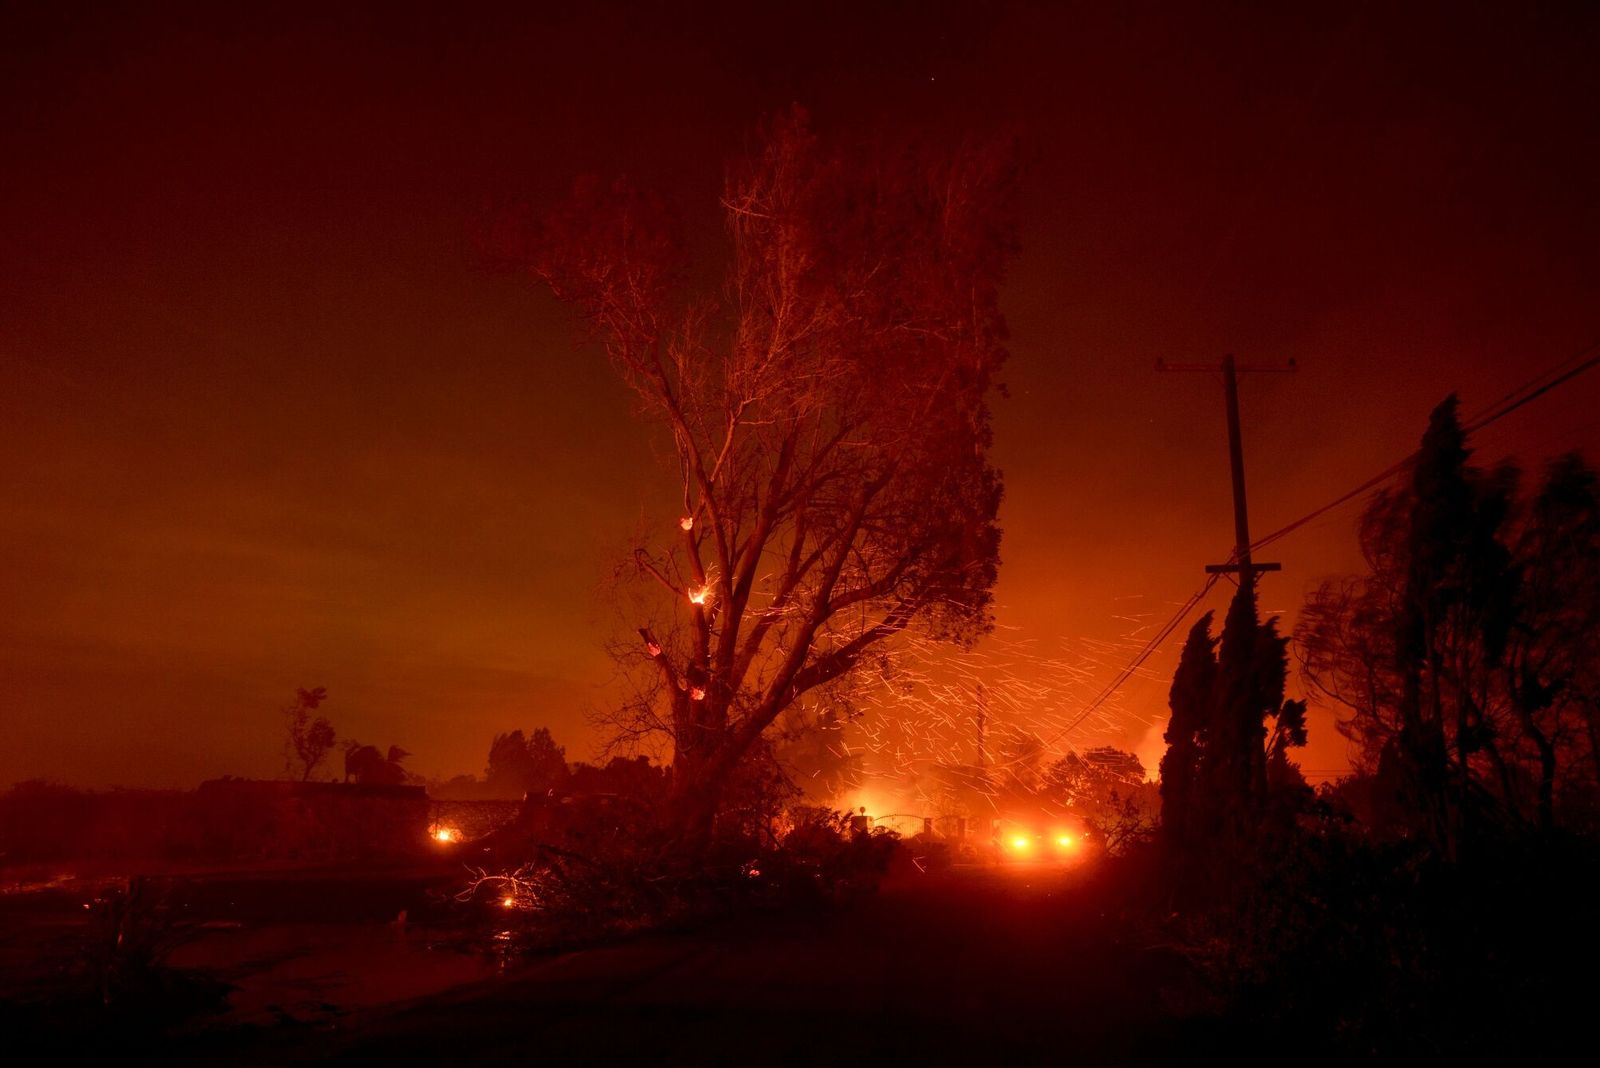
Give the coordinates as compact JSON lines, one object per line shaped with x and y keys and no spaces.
{"x":1241,"y":564}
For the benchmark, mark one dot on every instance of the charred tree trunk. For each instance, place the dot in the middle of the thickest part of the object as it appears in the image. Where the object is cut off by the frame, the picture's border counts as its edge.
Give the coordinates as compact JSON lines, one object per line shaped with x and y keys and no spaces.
{"x":692,"y":814}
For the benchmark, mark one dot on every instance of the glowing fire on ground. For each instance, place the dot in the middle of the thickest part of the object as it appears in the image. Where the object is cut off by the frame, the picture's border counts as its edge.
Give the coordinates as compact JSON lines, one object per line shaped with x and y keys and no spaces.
{"x":445,"y":835}
{"x":1064,"y":842}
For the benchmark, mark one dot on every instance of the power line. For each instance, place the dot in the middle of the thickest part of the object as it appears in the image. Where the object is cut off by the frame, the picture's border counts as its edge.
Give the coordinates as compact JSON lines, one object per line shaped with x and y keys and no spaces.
{"x":1529,"y":391}
{"x":1149,"y":649}
{"x":1585,"y":360}
{"x":1561,"y":380}
{"x":1550,"y":373}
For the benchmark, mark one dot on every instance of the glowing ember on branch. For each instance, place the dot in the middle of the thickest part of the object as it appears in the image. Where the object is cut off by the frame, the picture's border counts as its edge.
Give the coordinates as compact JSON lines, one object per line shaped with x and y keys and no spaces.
{"x":701,"y":595}
{"x":653,"y":648}
{"x":512,"y":890}
{"x":698,"y":693}
{"x":687,"y":522}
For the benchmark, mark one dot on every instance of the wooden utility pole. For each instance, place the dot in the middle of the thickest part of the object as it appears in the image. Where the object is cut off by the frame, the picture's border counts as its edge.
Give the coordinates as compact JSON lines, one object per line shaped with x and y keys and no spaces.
{"x":1241,"y":564}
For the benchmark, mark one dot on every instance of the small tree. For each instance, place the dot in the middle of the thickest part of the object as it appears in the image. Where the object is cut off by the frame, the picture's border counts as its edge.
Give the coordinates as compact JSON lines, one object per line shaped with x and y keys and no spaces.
{"x":1107,"y":788}
{"x":308,"y":740}
{"x":522,"y":764}
{"x":367,"y":764}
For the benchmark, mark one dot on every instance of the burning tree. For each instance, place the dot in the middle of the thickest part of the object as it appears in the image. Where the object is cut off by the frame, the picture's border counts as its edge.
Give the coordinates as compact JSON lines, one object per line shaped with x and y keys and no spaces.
{"x":826,"y":402}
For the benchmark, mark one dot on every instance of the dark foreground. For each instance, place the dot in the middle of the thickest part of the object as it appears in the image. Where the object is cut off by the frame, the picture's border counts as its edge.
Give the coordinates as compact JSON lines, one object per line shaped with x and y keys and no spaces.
{"x":1018,"y":965}
{"x":996,"y":964}
{"x":1012,"y":964}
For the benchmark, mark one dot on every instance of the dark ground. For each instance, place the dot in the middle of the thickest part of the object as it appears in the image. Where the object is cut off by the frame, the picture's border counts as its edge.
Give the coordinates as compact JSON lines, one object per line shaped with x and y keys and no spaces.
{"x":1011,"y":965}
{"x":992,"y":964}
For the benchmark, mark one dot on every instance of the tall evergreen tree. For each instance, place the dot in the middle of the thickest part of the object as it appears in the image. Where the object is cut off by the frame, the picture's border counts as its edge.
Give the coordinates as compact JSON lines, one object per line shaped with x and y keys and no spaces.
{"x":1216,"y":792}
{"x":1234,"y":770}
{"x":1190,"y":702}
{"x":1466,"y":653}
{"x":1453,"y":620}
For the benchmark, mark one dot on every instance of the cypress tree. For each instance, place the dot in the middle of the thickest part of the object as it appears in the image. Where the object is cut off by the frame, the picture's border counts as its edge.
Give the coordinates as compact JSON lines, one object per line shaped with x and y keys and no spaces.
{"x":1190,"y":700}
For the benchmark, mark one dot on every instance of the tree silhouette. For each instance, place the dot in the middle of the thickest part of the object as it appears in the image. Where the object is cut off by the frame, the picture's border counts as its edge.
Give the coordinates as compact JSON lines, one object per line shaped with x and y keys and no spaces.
{"x":1451,"y":623}
{"x":1186,"y":736}
{"x":825,"y":401}
{"x":368,"y":765}
{"x":632,"y":777}
{"x":307,"y":740}
{"x":1106,"y":788}
{"x":526,"y":765}
{"x":1552,"y":661}
{"x":1229,"y":723}
{"x":1466,"y":654}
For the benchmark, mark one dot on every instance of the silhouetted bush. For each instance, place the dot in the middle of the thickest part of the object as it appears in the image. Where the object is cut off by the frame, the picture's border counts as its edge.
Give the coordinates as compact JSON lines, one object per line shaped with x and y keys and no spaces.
{"x":576,"y":870}
{"x":1384,"y":948}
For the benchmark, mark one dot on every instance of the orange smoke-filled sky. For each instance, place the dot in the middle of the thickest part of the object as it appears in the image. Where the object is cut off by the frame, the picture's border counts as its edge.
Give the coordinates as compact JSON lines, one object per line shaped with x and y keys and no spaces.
{"x":266,"y":421}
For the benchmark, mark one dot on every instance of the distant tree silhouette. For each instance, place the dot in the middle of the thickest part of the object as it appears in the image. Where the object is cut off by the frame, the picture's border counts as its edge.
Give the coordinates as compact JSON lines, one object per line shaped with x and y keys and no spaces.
{"x":1467,"y":654}
{"x":367,"y":764}
{"x":826,"y":405}
{"x":521,"y":764}
{"x":1106,"y":788}
{"x":635,"y":777}
{"x":308,"y":739}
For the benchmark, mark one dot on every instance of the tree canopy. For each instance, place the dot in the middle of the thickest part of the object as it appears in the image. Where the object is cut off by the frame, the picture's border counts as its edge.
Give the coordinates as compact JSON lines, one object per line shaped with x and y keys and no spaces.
{"x":825,"y":397}
{"x":1465,"y":653}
